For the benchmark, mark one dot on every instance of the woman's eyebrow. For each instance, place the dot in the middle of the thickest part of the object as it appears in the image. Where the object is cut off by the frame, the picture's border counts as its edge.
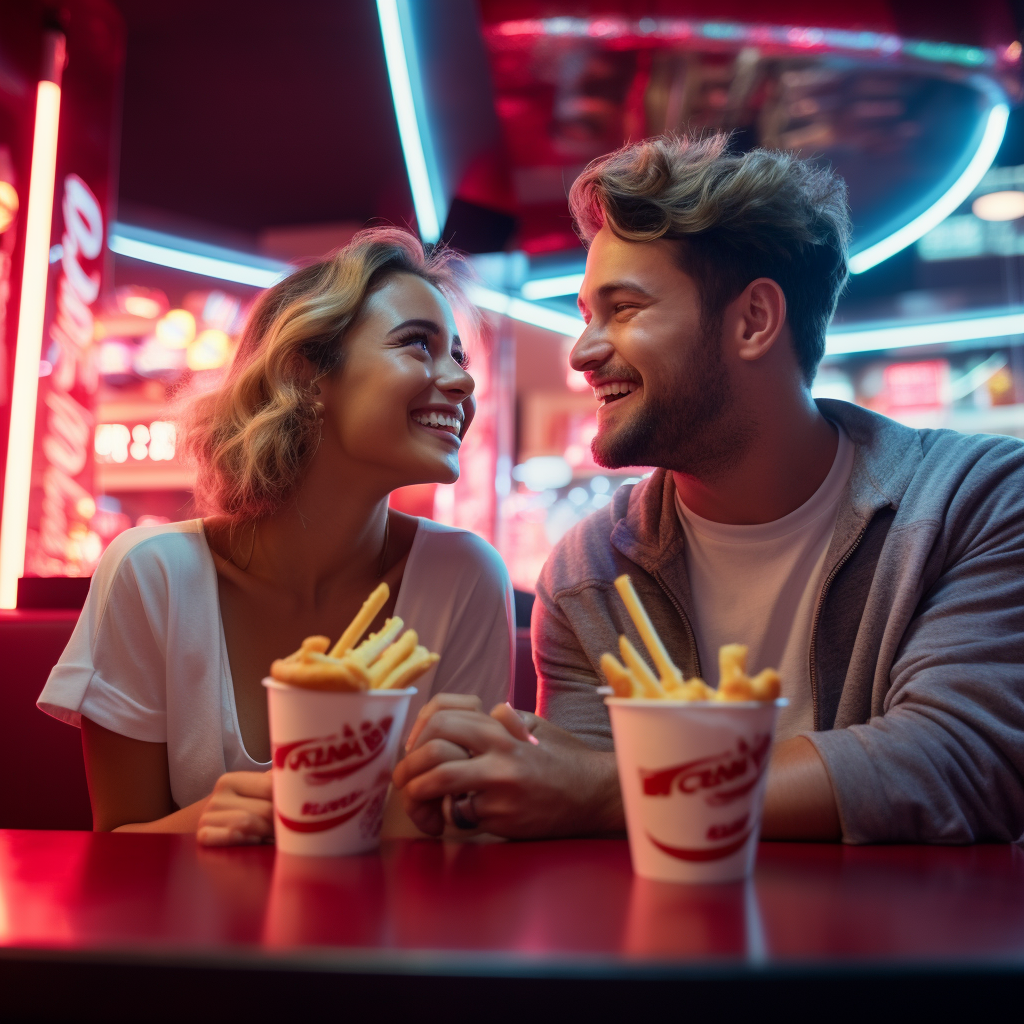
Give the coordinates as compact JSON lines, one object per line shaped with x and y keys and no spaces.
{"x":426,"y":325}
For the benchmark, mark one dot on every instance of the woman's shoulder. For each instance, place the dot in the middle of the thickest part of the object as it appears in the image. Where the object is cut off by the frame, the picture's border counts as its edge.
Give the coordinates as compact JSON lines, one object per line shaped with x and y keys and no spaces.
{"x":460,"y":551}
{"x":170,"y":549}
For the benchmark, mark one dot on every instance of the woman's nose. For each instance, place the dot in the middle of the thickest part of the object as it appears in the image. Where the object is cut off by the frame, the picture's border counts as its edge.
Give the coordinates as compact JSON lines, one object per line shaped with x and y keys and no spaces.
{"x":456,"y":382}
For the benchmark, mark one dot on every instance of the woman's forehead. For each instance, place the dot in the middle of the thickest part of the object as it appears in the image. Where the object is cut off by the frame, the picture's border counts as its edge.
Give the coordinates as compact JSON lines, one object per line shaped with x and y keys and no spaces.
{"x":409,"y":297}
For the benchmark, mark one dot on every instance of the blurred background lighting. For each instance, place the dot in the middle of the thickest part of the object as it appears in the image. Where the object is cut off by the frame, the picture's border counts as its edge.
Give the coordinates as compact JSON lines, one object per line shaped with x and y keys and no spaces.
{"x":209,"y":351}
{"x":195,"y":257}
{"x":550,"y":287}
{"x":1007,"y":205}
{"x":28,"y":347}
{"x":8,"y":205}
{"x":176,"y":329}
{"x":403,"y":96}
{"x":991,"y":140}
{"x":543,"y":472}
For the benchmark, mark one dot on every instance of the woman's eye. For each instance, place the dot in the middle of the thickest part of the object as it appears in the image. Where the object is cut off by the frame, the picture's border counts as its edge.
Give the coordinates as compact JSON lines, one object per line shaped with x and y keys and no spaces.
{"x":461,"y":357}
{"x":419,"y":340}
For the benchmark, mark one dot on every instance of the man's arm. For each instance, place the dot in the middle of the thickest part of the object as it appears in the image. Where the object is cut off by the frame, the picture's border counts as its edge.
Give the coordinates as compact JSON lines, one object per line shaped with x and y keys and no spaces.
{"x":799,"y":802}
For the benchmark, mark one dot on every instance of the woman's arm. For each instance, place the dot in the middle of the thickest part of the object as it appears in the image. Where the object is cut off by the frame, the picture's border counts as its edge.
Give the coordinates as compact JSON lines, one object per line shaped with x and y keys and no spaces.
{"x":130,"y":791}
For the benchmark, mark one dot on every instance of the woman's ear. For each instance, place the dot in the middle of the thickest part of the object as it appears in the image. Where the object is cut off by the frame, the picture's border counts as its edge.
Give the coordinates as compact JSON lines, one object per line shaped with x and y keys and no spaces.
{"x":761,"y":317}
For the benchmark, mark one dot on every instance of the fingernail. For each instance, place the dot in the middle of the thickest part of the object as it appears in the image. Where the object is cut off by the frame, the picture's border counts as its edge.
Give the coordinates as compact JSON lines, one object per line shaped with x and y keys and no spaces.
{"x":533,"y":739}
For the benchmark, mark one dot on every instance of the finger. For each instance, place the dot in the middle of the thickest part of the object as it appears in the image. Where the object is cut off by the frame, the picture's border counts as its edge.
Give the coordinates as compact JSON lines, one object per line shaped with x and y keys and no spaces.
{"x":249,"y":784}
{"x":228,"y":802}
{"x":477,"y":732}
{"x":515,"y":722}
{"x":247,"y":822}
{"x":443,"y":701}
{"x":212,"y":835}
{"x":426,"y":815}
{"x":428,"y":756}
{"x":454,"y":777}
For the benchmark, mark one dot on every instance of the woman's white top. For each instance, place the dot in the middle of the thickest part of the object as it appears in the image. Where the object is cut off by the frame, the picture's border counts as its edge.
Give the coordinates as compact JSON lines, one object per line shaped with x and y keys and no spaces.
{"x":148,"y":657}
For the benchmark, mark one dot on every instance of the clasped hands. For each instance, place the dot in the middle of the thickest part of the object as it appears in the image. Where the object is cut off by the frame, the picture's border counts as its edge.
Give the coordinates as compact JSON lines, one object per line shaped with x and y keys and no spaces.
{"x":508,"y":773}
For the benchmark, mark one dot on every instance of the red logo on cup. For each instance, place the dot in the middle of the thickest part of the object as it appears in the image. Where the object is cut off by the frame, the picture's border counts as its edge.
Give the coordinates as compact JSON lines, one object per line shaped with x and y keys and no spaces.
{"x":721,"y":780}
{"x":325,"y":759}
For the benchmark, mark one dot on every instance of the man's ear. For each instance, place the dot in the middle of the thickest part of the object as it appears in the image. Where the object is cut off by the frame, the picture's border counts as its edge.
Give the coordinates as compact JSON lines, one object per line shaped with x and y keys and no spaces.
{"x":760,"y":318}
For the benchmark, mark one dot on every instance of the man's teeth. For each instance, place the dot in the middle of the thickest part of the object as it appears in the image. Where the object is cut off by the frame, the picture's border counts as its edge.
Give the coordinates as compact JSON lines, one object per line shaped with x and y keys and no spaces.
{"x":438,"y":419}
{"x":615,"y":387}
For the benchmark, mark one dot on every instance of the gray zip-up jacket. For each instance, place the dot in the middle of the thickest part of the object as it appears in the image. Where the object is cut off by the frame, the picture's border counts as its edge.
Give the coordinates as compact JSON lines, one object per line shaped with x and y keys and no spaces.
{"x":917,"y":647}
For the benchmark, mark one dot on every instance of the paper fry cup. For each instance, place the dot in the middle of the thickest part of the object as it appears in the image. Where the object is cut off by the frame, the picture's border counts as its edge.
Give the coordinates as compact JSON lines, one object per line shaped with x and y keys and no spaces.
{"x":693,"y":776}
{"x":333,"y":754}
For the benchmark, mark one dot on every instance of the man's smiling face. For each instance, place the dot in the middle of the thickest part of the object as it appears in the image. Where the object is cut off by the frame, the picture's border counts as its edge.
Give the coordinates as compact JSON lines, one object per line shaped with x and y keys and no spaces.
{"x":654,"y":362}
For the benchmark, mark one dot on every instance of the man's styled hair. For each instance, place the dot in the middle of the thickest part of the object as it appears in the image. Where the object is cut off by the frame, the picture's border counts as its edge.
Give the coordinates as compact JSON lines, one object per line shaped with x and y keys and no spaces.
{"x":736,"y":217}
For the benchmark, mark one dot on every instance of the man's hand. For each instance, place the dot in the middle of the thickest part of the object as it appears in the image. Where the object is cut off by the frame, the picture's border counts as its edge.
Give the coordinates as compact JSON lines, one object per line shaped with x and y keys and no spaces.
{"x":238,"y":811}
{"x":496,"y":777}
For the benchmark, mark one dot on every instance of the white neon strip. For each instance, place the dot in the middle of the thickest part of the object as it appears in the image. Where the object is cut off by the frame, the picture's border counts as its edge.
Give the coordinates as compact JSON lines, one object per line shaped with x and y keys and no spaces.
{"x":526,"y":312}
{"x":550,"y":287}
{"x":874,"y":339}
{"x":408,"y":125}
{"x":25,"y":387}
{"x":192,"y":262}
{"x":991,"y":139}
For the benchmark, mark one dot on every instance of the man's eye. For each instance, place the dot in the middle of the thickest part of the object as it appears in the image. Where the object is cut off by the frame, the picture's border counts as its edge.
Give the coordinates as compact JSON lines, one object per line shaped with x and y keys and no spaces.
{"x":623,"y":306}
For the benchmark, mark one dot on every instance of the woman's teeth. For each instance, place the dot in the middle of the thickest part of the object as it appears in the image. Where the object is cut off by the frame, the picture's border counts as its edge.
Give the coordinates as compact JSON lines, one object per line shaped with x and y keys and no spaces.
{"x":614,"y":388}
{"x":439,"y":420}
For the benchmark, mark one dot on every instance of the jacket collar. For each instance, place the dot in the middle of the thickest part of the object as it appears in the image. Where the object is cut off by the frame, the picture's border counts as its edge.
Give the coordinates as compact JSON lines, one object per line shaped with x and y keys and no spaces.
{"x":886,"y":457}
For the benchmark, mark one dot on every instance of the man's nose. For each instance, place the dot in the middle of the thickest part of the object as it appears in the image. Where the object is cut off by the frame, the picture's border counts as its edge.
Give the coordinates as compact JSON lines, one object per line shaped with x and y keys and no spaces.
{"x":591,"y":350}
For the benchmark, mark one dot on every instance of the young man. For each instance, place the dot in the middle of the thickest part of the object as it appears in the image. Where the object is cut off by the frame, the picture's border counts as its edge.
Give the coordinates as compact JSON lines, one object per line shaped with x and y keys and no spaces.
{"x":879,"y":568}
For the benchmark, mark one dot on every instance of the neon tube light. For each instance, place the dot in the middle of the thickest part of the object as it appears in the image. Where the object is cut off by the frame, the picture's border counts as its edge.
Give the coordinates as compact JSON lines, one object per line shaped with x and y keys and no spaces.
{"x":195,"y":257}
{"x":995,"y":129}
{"x":549,"y":287}
{"x":874,"y":339}
{"x":29,"y":345}
{"x":404,"y":99}
{"x":526,"y":312}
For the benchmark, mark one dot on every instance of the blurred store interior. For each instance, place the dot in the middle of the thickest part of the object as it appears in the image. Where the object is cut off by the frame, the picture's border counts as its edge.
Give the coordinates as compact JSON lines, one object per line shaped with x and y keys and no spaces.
{"x":205,"y":146}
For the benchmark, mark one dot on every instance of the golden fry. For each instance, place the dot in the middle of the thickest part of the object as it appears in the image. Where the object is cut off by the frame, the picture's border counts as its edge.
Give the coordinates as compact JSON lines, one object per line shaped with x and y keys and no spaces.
{"x":361,"y":623}
{"x":312,"y":676}
{"x":619,"y":677}
{"x":766,"y":685}
{"x":732,"y":662}
{"x":393,"y":656}
{"x":666,"y":669}
{"x":411,"y":669}
{"x":735,"y":688}
{"x":649,"y":685}
{"x":376,"y":643}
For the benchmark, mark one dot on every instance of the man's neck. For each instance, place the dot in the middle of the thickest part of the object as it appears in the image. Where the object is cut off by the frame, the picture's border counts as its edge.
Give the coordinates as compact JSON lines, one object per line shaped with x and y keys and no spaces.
{"x":791,"y":454}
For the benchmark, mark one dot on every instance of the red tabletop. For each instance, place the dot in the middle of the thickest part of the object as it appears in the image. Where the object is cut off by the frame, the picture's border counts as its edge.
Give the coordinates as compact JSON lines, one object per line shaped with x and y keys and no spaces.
{"x":569,"y":901}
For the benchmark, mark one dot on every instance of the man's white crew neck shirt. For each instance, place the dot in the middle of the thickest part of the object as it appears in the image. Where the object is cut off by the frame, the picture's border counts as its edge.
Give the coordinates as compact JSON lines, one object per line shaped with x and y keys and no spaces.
{"x":759,"y":585}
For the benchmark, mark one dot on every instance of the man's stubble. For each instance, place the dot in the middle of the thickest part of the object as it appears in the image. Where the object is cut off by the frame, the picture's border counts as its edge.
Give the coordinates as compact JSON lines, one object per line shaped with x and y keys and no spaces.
{"x":688,"y":422}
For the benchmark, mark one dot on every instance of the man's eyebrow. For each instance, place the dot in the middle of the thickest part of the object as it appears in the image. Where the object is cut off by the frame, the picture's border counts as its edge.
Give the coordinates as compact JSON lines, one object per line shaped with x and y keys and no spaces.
{"x":622,"y":286}
{"x":426,"y":325}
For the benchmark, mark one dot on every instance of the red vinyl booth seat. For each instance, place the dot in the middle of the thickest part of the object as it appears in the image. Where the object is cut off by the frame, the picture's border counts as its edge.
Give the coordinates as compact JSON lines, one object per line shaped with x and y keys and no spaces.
{"x":40,"y":758}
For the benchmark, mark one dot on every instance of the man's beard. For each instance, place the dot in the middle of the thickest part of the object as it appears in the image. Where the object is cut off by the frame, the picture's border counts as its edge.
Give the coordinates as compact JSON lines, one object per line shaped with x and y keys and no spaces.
{"x":688,"y":425}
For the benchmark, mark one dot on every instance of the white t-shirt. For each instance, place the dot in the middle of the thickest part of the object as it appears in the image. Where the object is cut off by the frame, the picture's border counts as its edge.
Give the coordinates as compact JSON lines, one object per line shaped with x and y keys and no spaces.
{"x":148,"y":657}
{"x":759,"y":585}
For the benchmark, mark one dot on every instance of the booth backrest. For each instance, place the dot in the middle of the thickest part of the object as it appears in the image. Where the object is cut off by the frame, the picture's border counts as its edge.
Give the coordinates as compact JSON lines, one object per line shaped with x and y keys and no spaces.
{"x":40,"y":758}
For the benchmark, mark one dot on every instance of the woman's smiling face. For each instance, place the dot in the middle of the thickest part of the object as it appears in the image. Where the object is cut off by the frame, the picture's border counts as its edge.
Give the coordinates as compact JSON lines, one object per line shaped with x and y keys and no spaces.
{"x":402,"y":400}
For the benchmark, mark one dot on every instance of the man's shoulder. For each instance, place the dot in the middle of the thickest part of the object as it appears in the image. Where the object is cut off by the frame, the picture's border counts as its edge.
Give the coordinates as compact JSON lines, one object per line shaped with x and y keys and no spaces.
{"x":585,"y":556}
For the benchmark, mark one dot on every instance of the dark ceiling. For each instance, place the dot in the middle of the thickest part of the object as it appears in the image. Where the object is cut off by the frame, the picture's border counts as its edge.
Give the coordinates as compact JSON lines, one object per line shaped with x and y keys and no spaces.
{"x":248,"y":114}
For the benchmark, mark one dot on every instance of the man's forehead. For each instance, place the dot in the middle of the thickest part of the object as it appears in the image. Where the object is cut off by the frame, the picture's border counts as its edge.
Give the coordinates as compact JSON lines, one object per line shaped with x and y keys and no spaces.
{"x":611,"y":259}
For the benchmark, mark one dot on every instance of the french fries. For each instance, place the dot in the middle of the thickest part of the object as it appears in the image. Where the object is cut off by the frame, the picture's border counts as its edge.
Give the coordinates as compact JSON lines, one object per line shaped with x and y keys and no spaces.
{"x":386,"y":660}
{"x":636,"y":679}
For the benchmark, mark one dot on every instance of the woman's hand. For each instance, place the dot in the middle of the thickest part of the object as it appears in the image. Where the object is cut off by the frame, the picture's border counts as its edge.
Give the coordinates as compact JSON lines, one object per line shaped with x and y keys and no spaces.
{"x":238,"y":811}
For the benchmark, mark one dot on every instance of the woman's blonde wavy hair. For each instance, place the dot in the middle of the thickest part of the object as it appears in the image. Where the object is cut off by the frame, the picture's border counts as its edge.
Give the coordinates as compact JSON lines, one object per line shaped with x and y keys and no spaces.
{"x":735,"y":216}
{"x":251,"y":438}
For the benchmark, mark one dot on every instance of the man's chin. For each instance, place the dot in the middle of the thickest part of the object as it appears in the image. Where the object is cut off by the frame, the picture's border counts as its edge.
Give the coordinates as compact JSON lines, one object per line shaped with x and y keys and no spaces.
{"x":611,"y":452}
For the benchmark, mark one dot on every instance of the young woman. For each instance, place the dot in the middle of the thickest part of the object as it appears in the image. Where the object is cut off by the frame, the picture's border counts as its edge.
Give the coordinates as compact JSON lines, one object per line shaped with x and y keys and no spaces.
{"x":350,"y":380}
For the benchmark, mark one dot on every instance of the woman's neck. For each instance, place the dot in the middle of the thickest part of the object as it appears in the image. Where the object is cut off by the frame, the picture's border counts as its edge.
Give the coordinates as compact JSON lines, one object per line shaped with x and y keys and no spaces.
{"x":331,"y":533}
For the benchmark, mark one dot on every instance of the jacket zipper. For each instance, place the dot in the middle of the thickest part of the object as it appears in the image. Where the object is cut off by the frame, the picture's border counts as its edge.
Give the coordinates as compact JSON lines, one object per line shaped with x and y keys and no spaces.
{"x":817,"y":615}
{"x":686,"y":622}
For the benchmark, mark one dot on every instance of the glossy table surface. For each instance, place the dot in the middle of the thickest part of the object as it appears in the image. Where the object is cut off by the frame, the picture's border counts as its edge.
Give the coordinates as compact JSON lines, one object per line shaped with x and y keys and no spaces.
{"x":562,"y":905}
